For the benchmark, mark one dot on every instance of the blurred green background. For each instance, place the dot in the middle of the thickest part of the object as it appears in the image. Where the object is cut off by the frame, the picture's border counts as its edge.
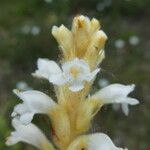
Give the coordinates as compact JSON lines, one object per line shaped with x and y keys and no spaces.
{"x":25,"y":35}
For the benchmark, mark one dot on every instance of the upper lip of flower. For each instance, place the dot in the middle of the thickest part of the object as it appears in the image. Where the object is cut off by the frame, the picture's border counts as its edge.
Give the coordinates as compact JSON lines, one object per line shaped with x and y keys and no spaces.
{"x":115,"y":93}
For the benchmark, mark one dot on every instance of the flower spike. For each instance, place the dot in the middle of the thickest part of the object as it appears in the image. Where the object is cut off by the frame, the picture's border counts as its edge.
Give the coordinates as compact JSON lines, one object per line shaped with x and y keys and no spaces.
{"x":82,"y":50}
{"x":29,"y":134}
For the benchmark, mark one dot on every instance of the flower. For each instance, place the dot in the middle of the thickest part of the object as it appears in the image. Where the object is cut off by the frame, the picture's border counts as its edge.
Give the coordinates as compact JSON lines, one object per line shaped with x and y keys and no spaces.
{"x":46,"y":67}
{"x":112,"y":94}
{"x":74,"y":72}
{"x":33,"y":102}
{"x":115,"y":93}
{"x":30,"y":134}
{"x":134,"y":40}
{"x":97,"y":141}
{"x":125,"y":108}
{"x":119,"y":43}
{"x":35,"y":30}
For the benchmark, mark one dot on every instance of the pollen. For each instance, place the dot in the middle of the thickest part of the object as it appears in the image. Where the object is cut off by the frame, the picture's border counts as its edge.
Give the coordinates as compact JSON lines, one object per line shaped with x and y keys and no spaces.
{"x":75,"y":71}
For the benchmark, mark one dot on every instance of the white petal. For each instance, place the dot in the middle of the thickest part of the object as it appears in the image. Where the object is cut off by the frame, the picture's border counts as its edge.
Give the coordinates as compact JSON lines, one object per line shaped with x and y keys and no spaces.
{"x":37,"y":101}
{"x":20,"y":109}
{"x":29,"y":134}
{"x":83,"y":75}
{"x":51,"y":66}
{"x":100,"y":141}
{"x":93,"y":74}
{"x":46,"y":68}
{"x":23,"y":112}
{"x":26,"y":118}
{"x":125,"y":108}
{"x":97,"y":141}
{"x":11,"y":140}
{"x":40,"y":74}
{"x":13,"y":114}
{"x":57,"y":79}
{"x":75,"y":87}
{"x":127,"y":100}
{"x":78,"y":63}
{"x":34,"y":102}
{"x":113,"y":93}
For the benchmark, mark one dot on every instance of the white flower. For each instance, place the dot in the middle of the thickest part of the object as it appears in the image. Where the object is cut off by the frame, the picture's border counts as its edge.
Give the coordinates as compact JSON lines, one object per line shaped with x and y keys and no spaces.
{"x":35,"y":30}
{"x":34,"y":102}
{"x":97,"y":141}
{"x":119,"y":43}
{"x":74,"y":72}
{"x":134,"y":40}
{"x":26,"y":133}
{"x":116,"y":93}
{"x":101,"y":141}
{"x":125,"y":108}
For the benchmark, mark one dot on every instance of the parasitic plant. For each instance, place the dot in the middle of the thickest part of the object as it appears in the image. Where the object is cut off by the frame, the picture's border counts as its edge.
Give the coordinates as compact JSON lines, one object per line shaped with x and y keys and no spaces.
{"x":82,"y":50}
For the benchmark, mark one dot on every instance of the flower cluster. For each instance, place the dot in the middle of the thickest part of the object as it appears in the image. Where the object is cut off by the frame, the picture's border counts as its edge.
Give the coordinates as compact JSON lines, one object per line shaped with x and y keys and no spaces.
{"x":82,"y":51}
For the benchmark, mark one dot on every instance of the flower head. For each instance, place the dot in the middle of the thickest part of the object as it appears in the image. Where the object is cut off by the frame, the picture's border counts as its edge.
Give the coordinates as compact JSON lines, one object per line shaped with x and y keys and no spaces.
{"x":74,"y":73}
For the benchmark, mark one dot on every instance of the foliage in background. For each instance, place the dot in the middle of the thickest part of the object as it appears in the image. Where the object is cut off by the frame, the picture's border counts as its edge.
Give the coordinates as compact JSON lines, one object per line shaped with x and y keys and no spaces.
{"x":25,"y":35}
